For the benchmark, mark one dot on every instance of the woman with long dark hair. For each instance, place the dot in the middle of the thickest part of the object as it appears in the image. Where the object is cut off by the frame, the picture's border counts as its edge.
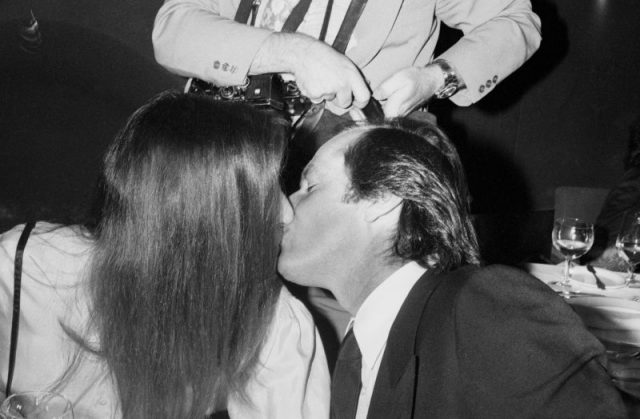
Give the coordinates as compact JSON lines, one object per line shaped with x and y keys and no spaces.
{"x":171,"y":306}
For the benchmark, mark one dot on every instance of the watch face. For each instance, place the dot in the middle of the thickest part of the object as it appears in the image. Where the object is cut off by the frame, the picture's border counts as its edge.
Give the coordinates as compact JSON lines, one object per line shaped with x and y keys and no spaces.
{"x":447,"y":91}
{"x":451,"y":81}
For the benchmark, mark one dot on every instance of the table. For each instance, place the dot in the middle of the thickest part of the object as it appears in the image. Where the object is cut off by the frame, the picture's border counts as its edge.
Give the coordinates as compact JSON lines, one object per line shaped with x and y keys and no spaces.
{"x":612,"y":315}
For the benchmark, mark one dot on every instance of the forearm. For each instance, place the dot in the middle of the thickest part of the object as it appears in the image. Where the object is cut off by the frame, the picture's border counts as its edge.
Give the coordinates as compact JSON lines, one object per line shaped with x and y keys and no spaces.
{"x":193,"y":38}
{"x":321,"y":72}
{"x":499,"y":36}
{"x":281,"y":53}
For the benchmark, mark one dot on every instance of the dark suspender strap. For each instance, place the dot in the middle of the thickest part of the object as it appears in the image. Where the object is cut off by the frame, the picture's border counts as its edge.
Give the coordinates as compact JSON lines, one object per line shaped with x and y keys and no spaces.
{"x":356,"y":7}
{"x":293,"y":21}
{"x":243,"y":12}
{"x":296,"y":16}
{"x":348,"y":25}
{"x":325,"y":22}
{"x":15,"y":319}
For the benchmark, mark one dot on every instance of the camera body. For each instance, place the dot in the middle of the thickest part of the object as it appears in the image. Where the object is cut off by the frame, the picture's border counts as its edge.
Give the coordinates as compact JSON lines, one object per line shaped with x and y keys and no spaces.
{"x":268,"y":91}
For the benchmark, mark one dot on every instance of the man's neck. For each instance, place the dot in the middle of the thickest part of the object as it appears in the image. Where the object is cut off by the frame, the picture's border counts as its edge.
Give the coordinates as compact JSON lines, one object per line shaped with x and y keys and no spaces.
{"x":354,"y":288}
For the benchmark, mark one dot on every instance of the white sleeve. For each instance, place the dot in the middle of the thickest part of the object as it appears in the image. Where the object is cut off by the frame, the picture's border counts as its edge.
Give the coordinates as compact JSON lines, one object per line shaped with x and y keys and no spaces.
{"x":499,"y":36}
{"x":293,"y":378}
{"x":199,"y":38}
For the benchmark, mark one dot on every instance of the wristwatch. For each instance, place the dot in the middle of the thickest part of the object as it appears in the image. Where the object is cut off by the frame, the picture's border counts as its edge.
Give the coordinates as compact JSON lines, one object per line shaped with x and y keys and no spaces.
{"x":452,"y":83}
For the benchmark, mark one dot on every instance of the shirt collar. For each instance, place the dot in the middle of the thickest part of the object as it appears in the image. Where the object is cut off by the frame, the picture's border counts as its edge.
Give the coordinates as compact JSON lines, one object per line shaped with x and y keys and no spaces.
{"x":377,"y":313}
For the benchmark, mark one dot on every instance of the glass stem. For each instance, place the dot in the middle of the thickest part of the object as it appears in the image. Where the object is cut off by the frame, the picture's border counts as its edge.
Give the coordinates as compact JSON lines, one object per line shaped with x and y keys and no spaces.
{"x":565,"y":283}
{"x":567,"y":267}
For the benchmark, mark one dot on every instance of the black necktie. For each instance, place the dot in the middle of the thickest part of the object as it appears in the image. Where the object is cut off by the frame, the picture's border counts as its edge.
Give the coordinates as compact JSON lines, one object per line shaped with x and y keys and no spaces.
{"x":345,"y":384}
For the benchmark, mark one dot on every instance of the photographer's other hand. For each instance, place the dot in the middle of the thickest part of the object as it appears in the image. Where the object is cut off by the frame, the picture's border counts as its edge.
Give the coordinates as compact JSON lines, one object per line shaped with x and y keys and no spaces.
{"x":321,"y":72}
{"x":407,"y":89}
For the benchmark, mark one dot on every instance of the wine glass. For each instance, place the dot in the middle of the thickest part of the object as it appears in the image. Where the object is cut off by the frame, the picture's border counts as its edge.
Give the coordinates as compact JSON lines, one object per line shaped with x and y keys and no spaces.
{"x":628,"y":242}
{"x":573,"y":238}
{"x":36,"y":405}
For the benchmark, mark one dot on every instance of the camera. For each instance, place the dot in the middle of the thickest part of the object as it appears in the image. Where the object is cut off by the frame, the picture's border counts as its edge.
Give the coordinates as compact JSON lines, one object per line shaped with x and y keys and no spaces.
{"x":268,"y":91}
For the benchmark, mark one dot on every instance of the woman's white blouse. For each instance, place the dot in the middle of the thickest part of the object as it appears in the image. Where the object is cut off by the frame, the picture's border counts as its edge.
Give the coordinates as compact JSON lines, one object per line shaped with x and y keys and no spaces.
{"x":292,"y":380}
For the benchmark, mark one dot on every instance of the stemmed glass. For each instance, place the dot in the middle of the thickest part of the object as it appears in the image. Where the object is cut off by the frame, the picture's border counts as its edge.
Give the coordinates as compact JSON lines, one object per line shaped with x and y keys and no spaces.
{"x":628,"y":242}
{"x":573,"y":238}
{"x":36,"y":405}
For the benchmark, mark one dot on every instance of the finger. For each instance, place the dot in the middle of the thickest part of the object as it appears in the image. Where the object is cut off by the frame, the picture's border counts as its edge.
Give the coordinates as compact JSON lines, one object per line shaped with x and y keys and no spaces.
{"x":357,"y":115}
{"x":317,"y":95}
{"x":343,"y":98}
{"x":312,"y":89}
{"x":405,"y":100}
{"x":329,"y":96}
{"x":387,"y":88}
{"x":361,"y":92}
{"x":392,"y":108}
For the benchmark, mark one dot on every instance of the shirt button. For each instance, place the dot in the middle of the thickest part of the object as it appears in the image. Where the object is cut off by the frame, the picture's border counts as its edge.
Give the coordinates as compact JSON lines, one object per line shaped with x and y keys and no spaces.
{"x":216,"y":64}
{"x":488,"y":84}
{"x":481,"y":89}
{"x":225,"y":67}
{"x":495,"y":79}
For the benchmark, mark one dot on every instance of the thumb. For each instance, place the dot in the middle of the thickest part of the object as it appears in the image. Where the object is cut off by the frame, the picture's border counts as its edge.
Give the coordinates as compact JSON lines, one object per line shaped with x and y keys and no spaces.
{"x":386,"y":88}
{"x":392,"y":106}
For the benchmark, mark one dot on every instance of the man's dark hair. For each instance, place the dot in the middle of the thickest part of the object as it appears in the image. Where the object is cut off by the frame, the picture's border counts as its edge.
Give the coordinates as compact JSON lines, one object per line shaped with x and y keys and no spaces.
{"x":418,"y":164}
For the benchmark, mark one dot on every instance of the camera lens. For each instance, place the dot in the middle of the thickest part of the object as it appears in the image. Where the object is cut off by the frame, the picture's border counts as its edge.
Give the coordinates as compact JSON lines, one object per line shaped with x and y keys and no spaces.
{"x":227,"y":92}
{"x":292,"y":88}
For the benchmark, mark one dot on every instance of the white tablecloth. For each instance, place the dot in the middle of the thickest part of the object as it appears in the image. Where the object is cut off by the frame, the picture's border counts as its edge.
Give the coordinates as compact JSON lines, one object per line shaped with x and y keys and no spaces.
{"x":612,"y":314}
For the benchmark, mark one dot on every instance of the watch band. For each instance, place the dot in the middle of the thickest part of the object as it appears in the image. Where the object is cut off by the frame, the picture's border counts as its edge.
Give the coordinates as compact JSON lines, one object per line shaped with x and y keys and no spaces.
{"x":452,"y":83}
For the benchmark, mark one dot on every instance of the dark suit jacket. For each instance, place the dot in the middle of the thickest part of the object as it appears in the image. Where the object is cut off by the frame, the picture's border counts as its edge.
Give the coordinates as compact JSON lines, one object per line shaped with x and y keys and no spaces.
{"x":493,"y":343}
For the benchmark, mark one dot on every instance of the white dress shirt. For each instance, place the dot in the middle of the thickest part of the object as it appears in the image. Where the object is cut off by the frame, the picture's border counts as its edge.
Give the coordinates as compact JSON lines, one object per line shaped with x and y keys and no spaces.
{"x":313,"y":19}
{"x":373,"y":322}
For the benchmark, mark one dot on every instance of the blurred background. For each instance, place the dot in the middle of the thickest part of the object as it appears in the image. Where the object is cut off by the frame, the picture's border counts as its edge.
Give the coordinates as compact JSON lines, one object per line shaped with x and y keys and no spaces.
{"x":563,"y":119}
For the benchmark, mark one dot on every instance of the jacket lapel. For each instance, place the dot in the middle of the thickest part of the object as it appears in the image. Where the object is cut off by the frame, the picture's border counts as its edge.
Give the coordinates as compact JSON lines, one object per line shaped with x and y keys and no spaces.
{"x":393,"y":394}
{"x":372,"y":29}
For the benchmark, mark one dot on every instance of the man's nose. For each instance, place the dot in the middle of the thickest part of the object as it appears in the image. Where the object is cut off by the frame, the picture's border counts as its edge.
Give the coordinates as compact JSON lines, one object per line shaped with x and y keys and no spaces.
{"x":294,"y":198}
{"x":287,"y":210}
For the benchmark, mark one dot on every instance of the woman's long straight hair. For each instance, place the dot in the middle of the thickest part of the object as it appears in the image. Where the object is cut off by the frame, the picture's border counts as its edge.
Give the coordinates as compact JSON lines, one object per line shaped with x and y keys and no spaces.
{"x":184,"y":278}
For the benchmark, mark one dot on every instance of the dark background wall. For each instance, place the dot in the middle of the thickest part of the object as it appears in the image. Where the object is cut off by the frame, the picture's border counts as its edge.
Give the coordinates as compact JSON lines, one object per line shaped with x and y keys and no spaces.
{"x":562,"y":119}
{"x":60,"y":106}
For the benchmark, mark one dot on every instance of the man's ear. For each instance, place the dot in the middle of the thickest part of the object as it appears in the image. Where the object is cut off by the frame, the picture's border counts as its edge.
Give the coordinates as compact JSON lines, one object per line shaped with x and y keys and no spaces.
{"x":385,"y":208}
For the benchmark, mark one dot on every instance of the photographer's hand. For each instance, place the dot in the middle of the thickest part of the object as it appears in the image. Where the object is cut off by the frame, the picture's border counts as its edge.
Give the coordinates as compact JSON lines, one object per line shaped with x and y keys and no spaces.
{"x":321,"y":73}
{"x":407,"y":89}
